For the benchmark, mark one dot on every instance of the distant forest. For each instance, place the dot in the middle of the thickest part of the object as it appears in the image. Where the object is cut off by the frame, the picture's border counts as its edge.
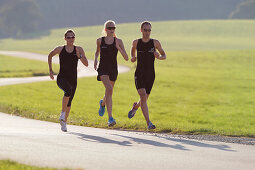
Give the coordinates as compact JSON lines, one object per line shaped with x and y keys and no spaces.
{"x":25,"y":16}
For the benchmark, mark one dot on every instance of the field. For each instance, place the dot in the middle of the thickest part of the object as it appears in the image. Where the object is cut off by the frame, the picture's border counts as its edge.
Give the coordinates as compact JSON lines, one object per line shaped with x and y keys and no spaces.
{"x":206,"y":85}
{"x":17,"y":67}
{"x":174,"y":35}
{"x":10,"y":165}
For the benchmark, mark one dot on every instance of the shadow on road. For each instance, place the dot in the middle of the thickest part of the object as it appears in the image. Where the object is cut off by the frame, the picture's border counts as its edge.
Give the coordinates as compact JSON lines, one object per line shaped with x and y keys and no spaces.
{"x":153,"y":143}
{"x":92,"y":138}
{"x":199,"y":144}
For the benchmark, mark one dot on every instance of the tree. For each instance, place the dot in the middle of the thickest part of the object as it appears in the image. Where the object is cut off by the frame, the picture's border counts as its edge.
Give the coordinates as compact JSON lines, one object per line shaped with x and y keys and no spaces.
{"x":18,"y":17}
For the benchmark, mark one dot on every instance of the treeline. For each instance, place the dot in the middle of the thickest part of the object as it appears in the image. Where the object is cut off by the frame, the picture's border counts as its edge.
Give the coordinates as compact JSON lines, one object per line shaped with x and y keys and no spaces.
{"x":18,"y":17}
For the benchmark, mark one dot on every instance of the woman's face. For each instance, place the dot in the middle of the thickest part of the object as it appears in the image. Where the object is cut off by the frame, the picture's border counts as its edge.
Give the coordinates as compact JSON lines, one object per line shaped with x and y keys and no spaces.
{"x":70,"y":37}
{"x":110,"y":28}
{"x":146,"y":31}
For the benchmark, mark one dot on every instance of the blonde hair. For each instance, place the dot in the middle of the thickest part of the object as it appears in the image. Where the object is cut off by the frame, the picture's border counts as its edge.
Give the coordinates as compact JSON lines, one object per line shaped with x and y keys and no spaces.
{"x":105,"y":24}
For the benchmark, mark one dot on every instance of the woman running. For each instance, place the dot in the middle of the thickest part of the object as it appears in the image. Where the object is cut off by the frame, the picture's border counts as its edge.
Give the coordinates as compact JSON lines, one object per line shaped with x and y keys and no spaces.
{"x":145,"y":72}
{"x":67,"y":76}
{"x":108,"y":47}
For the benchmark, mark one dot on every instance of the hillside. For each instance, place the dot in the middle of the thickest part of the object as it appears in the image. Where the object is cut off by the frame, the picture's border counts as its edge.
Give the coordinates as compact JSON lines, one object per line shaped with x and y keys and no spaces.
{"x":174,"y":36}
{"x":65,"y":13}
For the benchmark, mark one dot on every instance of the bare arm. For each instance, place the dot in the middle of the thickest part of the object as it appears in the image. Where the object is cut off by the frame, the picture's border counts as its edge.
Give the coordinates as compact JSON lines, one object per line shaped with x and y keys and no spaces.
{"x":133,"y":51}
{"x":162,"y":55}
{"x":97,"y":53}
{"x":81,"y":55}
{"x":121,"y":48}
{"x":57,"y":50}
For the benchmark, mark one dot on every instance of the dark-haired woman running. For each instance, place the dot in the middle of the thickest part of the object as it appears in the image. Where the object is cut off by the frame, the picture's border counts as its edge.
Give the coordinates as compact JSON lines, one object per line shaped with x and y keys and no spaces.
{"x":69,"y":55}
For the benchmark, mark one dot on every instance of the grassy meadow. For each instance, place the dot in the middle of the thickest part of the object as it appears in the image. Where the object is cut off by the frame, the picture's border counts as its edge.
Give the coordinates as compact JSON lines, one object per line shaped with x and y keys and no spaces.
{"x":174,"y":36}
{"x":19,"y":67}
{"x":206,"y":85}
{"x":11,"y":165}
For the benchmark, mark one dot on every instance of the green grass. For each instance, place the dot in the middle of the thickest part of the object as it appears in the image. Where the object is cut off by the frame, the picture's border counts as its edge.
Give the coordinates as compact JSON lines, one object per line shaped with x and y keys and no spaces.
{"x":11,"y":165}
{"x":194,"y":92}
{"x":19,"y":67}
{"x":206,"y":85}
{"x":174,"y":35}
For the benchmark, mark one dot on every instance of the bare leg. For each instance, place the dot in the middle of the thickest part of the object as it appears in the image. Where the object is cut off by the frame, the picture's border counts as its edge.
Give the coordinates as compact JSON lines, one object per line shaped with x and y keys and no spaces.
{"x":139,"y":102}
{"x":108,"y":93}
{"x":67,"y":112}
{"x":144,"y":107}
{"x":64,"y":103}
{"x":104,"y":99}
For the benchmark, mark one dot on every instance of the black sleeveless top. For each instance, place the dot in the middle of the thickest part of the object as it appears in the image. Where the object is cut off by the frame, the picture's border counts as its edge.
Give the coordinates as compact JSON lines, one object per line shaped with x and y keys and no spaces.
{"x":145,"y":59}
{"x":108,"y":56}
{"x":68,"y":65}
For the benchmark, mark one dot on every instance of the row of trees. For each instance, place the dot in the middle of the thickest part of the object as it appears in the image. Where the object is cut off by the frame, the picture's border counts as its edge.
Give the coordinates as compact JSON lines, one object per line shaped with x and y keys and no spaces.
{"x":18,"y":17}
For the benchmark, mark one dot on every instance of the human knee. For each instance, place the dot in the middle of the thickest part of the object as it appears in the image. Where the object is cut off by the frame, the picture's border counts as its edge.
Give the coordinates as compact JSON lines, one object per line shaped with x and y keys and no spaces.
{"x":68,"y":92}
{"x":142,"y":94}
{"x":109,"y":89}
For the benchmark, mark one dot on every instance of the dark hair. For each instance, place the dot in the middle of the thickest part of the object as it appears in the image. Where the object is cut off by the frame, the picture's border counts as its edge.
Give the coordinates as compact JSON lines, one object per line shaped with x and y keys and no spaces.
{"x":69,"y":31}
{"x":145,"y":23}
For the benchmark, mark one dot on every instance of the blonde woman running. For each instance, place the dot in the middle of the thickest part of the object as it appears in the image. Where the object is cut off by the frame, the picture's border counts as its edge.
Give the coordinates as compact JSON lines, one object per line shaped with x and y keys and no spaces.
{"x":108,"y":46}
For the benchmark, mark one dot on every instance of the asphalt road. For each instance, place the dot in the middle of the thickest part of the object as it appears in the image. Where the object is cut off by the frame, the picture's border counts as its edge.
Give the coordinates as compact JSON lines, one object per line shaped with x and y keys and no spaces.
{"x":43,"y":144}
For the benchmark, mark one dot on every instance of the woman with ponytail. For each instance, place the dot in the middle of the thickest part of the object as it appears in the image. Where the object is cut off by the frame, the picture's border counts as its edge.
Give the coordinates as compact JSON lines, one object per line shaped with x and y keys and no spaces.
{"x":108,"y":46}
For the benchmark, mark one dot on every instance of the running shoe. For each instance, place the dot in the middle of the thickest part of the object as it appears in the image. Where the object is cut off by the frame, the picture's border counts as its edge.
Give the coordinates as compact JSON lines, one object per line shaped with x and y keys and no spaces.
{"x":111,"y":122}
{"x":151,"y":126}
{"x":101,"y":109}
{"x":62,"y":116}
{"x":63,"y":126}
{"x":132,"y":112}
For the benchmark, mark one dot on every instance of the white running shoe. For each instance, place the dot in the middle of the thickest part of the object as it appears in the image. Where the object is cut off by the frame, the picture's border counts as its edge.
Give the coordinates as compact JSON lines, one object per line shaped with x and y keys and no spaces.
{"x":62,"y":121}
{"x":62,"y":116}
{"x":63,"y":126}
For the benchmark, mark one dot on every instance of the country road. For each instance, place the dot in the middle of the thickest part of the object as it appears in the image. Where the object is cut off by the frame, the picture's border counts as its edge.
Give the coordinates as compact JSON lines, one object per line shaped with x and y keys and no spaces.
{"x":42,"y":143}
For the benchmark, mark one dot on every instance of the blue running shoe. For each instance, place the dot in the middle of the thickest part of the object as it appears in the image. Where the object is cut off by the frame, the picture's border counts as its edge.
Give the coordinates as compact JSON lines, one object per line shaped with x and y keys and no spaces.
{"x":151,"y":126}
{"x":132,"y":112}
{"x":111,"y":122}
{"x":101,"y":109}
